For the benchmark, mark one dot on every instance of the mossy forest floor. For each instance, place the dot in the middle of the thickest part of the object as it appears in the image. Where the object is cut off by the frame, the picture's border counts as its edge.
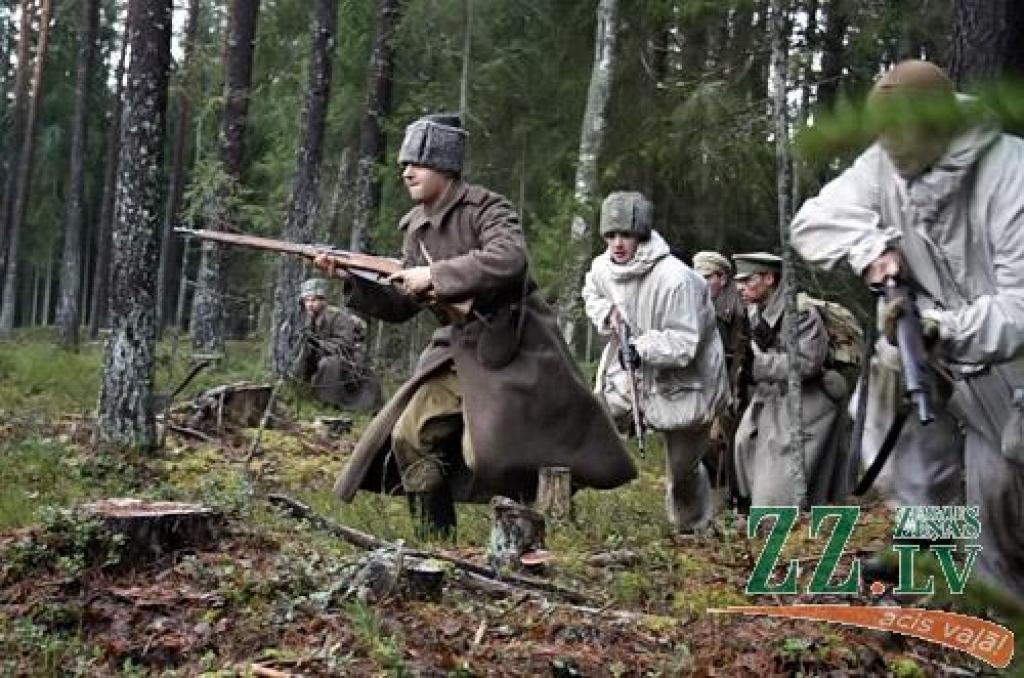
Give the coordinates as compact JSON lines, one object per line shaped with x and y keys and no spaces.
{"x":271,"y":594}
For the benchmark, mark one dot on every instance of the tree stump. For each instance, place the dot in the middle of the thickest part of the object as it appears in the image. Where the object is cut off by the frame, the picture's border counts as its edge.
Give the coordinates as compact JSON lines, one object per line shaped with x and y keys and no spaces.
{"x":554,"y":494}
{"x":153,"y":528}
{"x":424,"y":579}
{"x":515,"y":530}
{"x":240,"y":404}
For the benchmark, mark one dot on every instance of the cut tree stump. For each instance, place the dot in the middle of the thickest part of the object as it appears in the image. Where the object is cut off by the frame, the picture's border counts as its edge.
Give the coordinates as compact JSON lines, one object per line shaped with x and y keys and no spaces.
{"x":153,"y":528}
{"x":515,"y":530}
{"x":424,"y":579}
{"x":554,"y":494}
{"x":240,"y":405}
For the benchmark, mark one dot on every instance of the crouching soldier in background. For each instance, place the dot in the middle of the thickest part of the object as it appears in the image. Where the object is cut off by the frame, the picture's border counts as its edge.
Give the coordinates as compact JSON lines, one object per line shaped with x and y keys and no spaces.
{"x":762,"y":440}
{"x":734,"y":330}
{"x":675,"y":348}
{"x":333,"y":358}
{"x":496,"y":394}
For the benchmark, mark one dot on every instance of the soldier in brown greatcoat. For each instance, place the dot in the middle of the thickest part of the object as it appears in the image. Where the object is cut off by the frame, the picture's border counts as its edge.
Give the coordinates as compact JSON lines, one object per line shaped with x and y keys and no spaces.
{"x":496,"y":395}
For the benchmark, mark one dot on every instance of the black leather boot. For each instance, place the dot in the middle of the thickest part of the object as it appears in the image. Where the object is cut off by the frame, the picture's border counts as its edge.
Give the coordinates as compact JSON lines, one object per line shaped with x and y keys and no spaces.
{"x":433,"y":513}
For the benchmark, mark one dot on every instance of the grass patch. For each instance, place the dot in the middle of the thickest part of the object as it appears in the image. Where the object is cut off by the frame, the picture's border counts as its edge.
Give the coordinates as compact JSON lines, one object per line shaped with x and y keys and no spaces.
{"x":37,"y":472}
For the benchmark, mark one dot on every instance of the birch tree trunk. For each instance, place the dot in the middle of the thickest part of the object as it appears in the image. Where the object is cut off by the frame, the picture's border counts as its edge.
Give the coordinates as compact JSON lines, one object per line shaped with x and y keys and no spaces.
{"x":101,"y":273}
{"x":467,"y":48}
{"x":71,"y":261}
{"x":300,"y":220}
{"x":339,"y":209}
{"x":48,"y":288}
{"x":170,"y":245}
{"x":372,"y":142}
{"x":16,"y":136}
{"x":585,"y":188}
{"x":780,"y":30}
{"x":208,"y":311}
{"x":125,"y":412}
{"x":23,"y":176}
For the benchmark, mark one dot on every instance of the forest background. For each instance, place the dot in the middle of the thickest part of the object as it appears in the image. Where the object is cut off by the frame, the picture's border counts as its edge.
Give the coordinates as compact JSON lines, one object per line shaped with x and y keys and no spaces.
{"x":685,"y":115}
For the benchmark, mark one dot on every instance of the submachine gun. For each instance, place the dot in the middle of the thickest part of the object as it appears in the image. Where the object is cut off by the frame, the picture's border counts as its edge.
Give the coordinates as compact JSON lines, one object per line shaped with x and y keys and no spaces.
{"x":917,"y":377}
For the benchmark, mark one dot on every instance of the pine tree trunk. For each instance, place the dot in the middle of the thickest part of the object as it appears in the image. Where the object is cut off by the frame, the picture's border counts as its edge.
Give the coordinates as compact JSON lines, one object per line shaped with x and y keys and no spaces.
{"x":208,"y":311}
{"x":101,"y":273}
{"x":585,"y":193}
{"x":299,"y":222}
{"x":780,"y":31}
{"x":988,"y":41}
{"x":170,"y":244}
{"x":125,"y":413}
{"x":372,"y":143}
{"x":71,"y":261}
{"x":833,"y":45}
{"x":16,"y":135}
{"x":23,"y":176}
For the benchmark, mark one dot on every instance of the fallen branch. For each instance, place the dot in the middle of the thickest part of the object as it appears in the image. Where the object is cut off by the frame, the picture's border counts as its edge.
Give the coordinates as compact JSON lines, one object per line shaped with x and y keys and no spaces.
{"x":368,"y":541}
{"x":267,"y":672}
{"x":191,"y":432}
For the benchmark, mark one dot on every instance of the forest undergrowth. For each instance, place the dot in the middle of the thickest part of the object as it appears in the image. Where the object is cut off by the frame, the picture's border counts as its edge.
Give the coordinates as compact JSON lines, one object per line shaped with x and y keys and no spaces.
{"x":275,"y":594}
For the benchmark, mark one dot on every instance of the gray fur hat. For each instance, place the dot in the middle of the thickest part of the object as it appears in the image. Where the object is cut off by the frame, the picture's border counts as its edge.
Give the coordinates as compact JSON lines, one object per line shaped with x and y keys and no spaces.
{"x":314,"y":287}
{"x":436,"y":141}
{"x":627,"y":212}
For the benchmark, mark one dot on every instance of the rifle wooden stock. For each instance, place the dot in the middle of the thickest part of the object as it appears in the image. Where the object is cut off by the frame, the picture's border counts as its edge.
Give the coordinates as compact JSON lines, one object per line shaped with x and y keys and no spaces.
{"x":364,"y":265}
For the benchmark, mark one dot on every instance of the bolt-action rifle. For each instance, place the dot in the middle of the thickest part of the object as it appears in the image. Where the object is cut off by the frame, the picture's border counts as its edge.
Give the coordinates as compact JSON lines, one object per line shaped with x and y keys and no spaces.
{"x":371,"y":267}
{"x":628,"y":360}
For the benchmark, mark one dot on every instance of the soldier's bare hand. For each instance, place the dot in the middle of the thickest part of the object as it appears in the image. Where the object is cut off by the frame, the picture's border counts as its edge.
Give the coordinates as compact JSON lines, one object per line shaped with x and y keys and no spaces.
{"x":415,"y":281}
{"x":888,"y":265}
{"x":615,"y":319}
{"x":329,"y":265}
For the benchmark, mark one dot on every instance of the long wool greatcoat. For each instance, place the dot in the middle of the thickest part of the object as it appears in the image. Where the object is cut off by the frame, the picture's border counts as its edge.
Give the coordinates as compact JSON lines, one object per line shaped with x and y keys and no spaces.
{"x":960,"y":230}
{"x":762,"y":438}
{"x":535,"y":411}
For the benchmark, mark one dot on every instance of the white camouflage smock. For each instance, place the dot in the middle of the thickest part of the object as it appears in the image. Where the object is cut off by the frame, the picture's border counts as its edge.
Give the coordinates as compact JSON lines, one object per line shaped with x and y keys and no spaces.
{"x":960,"y":229}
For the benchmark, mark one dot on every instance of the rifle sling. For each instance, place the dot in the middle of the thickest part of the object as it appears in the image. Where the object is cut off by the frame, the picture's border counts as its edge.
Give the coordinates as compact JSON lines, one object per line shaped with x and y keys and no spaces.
{"x":868,"y":479}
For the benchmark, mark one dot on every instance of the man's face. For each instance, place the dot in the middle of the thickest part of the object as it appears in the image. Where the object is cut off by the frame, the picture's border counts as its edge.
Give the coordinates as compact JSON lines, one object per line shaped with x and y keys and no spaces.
{"x":756,"y":288}
{"x":913,"y":150}
{"x":425,"y":185}
{"x":313,"y":305}
{"x":621,"y":246}
{"x":715,"y":281}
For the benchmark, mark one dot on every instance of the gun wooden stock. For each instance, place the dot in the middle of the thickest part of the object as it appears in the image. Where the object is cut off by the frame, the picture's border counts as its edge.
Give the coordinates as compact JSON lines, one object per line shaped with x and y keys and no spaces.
{"x":365,"y":265}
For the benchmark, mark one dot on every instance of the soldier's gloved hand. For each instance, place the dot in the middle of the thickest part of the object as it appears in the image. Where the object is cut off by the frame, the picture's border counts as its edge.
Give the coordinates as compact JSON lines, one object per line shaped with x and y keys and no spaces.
{"x":762,"y":335}
{"x":889,"y":313}
{"x":629,"y":357}
{"x":929,"y":331}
